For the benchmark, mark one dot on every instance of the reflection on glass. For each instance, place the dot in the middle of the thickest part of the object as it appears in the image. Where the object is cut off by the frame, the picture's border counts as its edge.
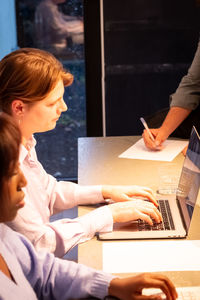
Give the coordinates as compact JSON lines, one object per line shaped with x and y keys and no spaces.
{"x":57,"y":149}
{"x":57,"y":26}
{"x":54,"y":30}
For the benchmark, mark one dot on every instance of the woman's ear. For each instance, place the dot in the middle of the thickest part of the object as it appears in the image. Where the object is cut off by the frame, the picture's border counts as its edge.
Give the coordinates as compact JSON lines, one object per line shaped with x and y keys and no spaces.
{"x":18,"y":108}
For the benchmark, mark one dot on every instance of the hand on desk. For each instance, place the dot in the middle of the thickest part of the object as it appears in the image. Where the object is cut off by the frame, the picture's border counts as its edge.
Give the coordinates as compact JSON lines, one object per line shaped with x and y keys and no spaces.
{"x":131,"y":287}
{"x":126,"y":192}
{"x":134,"y":210}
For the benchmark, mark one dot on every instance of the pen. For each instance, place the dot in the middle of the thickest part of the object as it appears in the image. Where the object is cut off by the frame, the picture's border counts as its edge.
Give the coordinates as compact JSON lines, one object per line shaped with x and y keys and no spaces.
{"x":147,"y":128}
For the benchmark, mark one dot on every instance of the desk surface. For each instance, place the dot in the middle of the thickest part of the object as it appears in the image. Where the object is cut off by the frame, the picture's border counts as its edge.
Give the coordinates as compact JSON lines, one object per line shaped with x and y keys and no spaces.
{"x":98,"y":163}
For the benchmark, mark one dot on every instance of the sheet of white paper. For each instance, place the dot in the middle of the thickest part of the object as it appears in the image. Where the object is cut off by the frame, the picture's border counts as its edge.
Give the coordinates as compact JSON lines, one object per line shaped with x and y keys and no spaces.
{"x":171,"y":148}
{"x":151,"y":256}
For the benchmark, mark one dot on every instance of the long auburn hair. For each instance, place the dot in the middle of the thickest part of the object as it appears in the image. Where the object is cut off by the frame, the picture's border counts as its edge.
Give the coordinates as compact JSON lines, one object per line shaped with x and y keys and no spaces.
{"x":29,"y":74}
{"x":10,"y":140}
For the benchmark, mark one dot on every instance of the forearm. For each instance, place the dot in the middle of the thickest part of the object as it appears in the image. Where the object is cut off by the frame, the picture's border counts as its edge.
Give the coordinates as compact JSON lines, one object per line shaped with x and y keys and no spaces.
{"x":53,"y":278}
{"x":174,"y":118}
{"x":116,"y":287}
{"x":107,"y":191}
{"x":91,"y":194}
{"x":62,"y":235}
{"x":66,"y":195}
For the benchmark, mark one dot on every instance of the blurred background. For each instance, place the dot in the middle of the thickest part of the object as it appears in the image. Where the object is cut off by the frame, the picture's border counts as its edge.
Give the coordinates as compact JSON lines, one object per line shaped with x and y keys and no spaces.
{"x":127,"y":57}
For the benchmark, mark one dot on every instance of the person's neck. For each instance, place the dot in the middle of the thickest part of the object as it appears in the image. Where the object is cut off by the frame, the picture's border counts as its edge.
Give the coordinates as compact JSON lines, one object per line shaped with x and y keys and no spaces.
{"x":25,"y":141}
{"x":4,"y":268}
{"x":26,"y":133}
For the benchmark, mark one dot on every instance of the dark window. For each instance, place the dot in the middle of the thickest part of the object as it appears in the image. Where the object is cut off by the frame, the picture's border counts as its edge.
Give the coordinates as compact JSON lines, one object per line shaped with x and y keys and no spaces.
{"x":58,"y":29}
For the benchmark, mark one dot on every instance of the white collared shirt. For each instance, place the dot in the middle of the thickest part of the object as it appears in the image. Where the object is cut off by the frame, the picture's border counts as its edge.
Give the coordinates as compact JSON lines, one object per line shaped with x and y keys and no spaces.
{"x":44,"y":196}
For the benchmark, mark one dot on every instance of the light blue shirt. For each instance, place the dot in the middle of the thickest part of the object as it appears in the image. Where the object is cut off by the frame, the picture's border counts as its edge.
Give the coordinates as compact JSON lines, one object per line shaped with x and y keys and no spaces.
{"x":41,"y":275}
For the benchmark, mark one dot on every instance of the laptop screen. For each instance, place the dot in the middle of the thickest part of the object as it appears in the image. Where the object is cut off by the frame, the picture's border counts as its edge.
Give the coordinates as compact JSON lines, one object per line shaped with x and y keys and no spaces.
{"x":189,"y":183}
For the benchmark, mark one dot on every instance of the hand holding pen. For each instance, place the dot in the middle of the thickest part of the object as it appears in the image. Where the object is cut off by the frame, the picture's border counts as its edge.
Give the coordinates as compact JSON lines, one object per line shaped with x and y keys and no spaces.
{"x":147,"y":128}
{"x":151,"y":136}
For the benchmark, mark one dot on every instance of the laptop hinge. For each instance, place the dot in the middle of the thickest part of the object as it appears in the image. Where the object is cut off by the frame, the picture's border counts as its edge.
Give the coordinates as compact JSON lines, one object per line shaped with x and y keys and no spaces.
{"x":182,"y":216}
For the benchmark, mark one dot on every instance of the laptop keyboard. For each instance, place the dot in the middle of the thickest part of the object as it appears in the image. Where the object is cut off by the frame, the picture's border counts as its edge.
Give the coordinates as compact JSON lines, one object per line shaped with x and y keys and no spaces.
{"x":187,"y":295}
{"x":167,"y":223}
{"x":184,"y":293}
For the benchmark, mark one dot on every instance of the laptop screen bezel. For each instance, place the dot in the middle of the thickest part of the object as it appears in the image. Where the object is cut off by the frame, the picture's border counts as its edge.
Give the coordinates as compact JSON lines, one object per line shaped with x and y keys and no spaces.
{"x":193,"y":148}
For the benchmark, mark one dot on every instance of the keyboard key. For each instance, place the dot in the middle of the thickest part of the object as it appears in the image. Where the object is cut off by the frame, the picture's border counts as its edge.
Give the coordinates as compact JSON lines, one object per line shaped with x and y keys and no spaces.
{"x":167,"y":223}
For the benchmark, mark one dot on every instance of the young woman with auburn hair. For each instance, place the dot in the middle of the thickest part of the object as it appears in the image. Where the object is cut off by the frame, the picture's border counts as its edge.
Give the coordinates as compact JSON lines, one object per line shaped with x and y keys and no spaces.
{"x":32,"y":85}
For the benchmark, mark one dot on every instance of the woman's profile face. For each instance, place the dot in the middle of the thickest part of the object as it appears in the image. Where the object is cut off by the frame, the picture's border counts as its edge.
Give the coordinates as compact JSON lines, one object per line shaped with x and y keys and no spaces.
{"x":16,"y":195}
{"x":42,"y":115}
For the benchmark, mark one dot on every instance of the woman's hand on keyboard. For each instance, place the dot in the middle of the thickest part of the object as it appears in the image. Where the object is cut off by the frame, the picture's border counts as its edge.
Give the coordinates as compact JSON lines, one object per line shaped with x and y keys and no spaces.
{"x":134,"y":210}
{"x":130,"y":288}
{"x":121,"y":193}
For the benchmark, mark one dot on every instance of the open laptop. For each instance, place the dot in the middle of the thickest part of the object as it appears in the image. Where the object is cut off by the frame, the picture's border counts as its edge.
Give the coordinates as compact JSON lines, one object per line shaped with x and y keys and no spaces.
{"x":176,"y":209}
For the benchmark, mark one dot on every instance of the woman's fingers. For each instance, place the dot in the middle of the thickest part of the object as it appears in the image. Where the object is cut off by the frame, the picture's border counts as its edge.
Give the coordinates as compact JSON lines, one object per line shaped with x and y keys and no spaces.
{"x":155,"y":280}
{"x":134,"y":210}
{"x":150,"y":214}
{"x":132,"y":287}
{"x":147,"y":195}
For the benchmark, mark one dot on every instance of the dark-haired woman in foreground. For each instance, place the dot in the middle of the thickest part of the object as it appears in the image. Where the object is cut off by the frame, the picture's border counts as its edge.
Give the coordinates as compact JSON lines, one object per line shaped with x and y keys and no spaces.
{"x":27,"y":274}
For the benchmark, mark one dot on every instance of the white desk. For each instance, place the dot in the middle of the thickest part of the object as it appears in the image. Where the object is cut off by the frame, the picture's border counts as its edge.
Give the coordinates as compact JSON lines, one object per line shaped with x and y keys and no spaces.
{"x":98,"y":163}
